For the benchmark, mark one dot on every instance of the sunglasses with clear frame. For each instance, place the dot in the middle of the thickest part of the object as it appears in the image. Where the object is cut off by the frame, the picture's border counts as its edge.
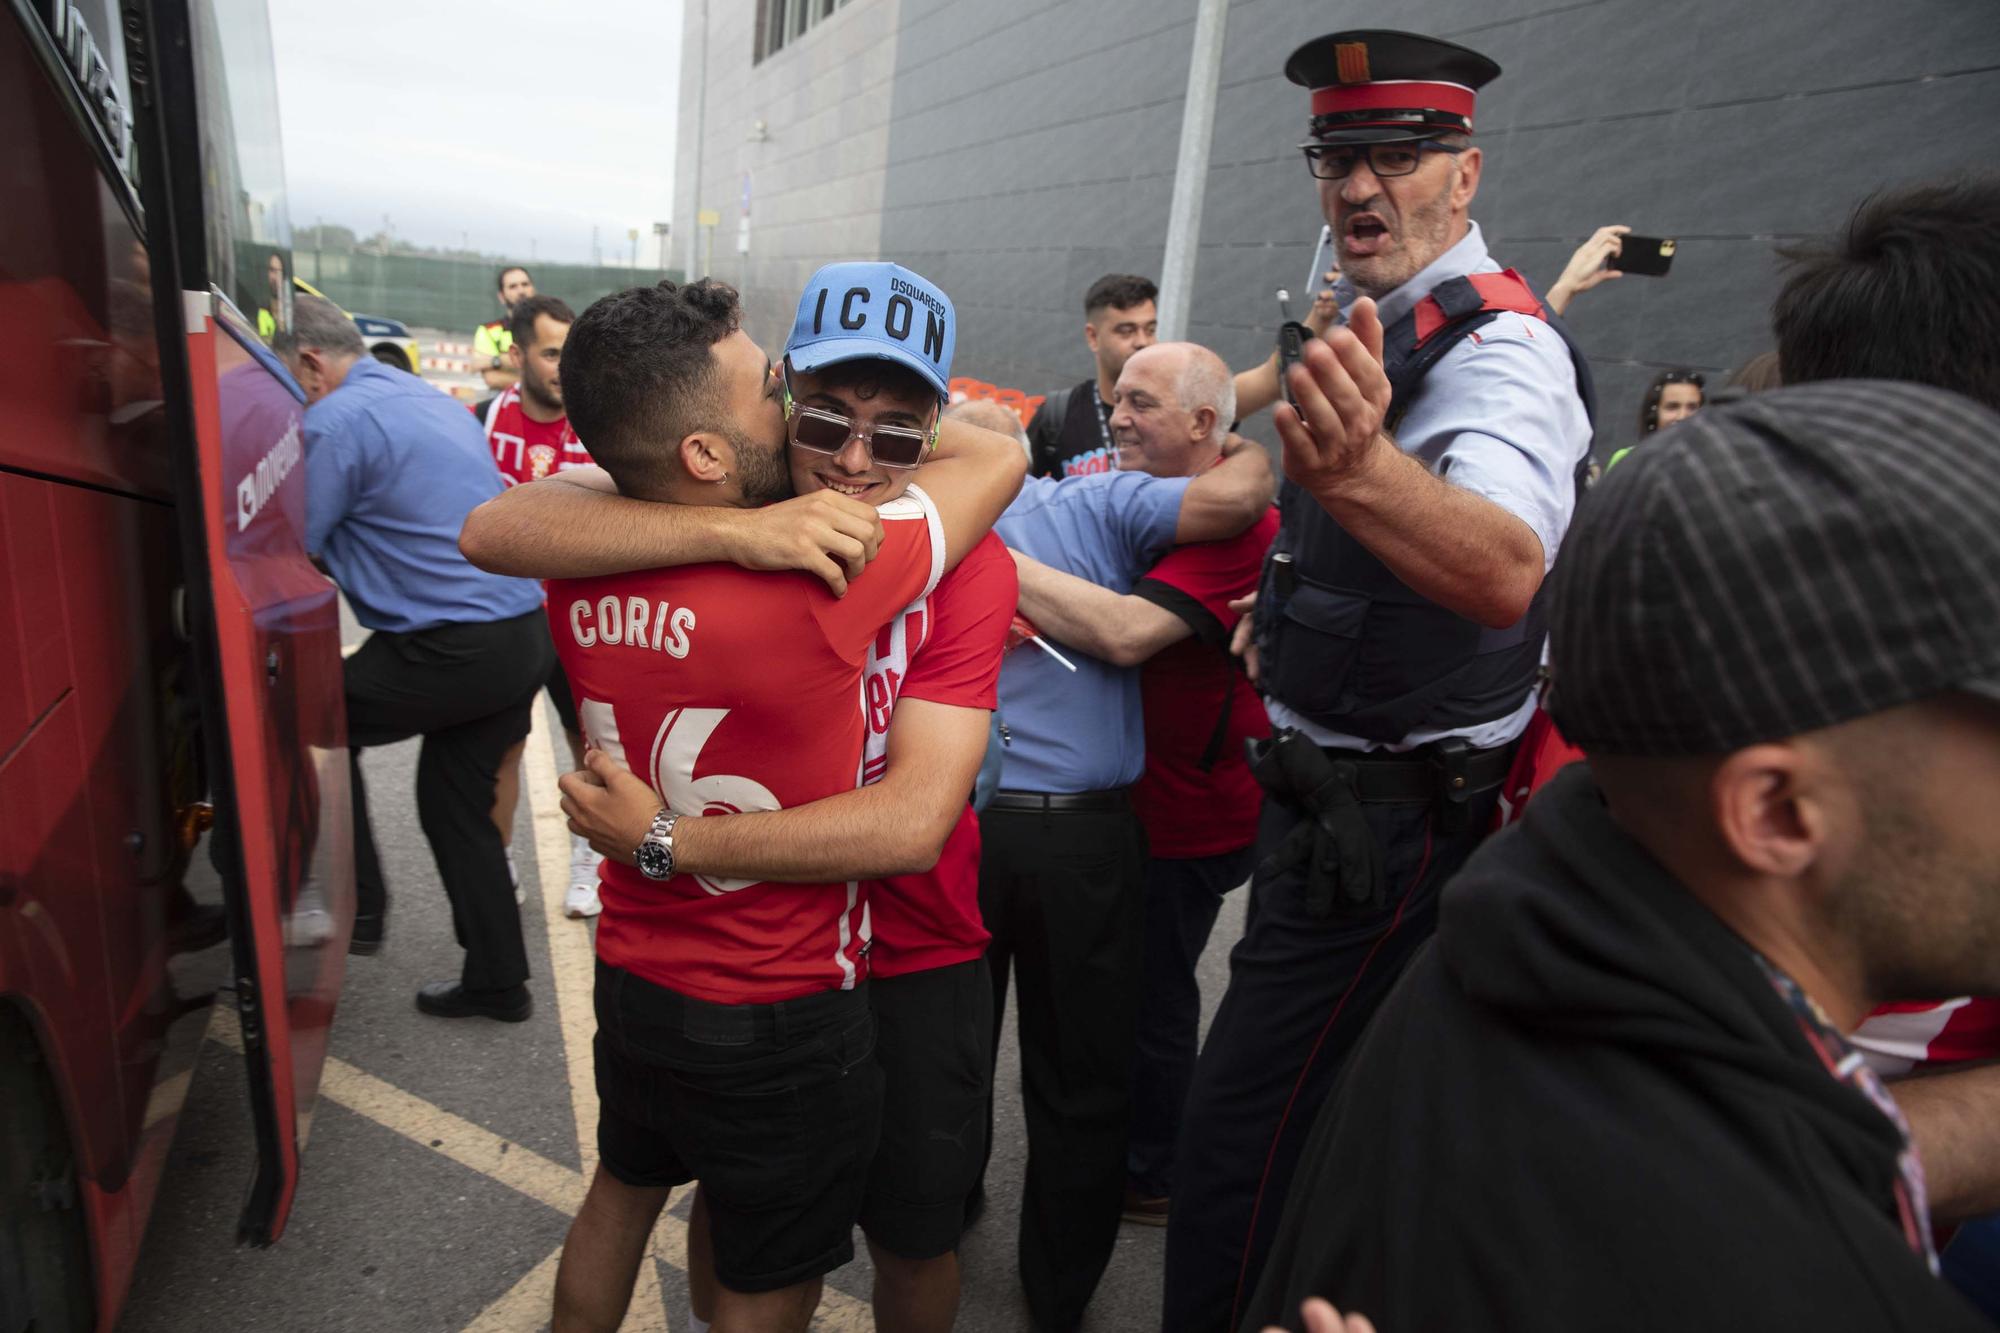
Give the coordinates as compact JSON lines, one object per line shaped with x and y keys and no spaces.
{"x":1336,"y":162}
{"x":825,"y":432}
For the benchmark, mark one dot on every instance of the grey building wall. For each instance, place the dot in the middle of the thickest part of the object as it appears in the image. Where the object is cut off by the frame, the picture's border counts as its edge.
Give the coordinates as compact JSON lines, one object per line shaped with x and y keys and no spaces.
{"x":816,"y":169}
{"x":1015,"y":152}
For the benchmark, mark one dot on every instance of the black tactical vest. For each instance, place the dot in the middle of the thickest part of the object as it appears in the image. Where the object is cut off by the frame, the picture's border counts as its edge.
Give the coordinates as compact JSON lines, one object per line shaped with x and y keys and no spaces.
{"x":1345,"y":643}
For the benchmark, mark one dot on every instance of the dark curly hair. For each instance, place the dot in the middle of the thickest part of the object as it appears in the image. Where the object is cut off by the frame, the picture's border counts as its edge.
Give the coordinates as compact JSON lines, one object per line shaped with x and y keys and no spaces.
{"x":639,"y":375}
{"x":1909,"y":291}
{"x":1118,"y":291}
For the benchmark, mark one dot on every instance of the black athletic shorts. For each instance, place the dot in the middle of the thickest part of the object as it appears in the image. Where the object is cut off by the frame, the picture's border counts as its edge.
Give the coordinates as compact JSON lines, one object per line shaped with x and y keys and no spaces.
{"x":933,"y":1039}
{"x":775,"y":1108}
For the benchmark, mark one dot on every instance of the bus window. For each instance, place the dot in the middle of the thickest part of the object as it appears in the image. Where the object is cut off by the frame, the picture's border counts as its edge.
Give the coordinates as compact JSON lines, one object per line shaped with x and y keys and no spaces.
{"x":248,"y":222}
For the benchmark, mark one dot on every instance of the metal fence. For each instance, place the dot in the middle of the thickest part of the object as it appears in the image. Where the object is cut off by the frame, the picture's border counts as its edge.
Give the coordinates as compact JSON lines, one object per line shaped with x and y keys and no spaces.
{"x":451,"y":294}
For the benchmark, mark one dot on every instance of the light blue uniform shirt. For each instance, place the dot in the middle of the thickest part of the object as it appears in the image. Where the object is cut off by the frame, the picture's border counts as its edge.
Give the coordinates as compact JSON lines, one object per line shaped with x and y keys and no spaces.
{"x":1499,"y":416}
{"x":1081,"y":731}
{"x":392,"y":469}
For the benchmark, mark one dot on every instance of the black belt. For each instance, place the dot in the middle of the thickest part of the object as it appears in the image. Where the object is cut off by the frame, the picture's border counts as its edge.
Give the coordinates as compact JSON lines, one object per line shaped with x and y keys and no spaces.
{"x":1073,"y":802}
{"x":1384,"y":779}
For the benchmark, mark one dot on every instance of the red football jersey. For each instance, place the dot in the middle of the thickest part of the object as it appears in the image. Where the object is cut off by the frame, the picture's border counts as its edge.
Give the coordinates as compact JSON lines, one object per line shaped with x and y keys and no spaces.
{"x":734,"y":691}
{"x":525,"y":449}
{"x":1188,"y":810}
{"x":945,"y":648}
{"x":1900,"y":1038}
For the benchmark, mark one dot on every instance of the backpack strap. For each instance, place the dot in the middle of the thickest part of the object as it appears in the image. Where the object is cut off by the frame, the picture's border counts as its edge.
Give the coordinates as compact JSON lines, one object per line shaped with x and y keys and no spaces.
{"x":1209,"y":630}
{"x":1456,"y":309}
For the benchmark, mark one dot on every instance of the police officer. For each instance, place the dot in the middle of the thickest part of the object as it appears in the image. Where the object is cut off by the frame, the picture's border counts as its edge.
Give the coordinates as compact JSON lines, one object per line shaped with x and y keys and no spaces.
{"x":1431,"y":465}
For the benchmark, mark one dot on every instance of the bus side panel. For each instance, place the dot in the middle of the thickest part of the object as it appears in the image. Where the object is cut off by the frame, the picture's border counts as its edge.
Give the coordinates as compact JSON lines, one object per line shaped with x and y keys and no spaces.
{"x":278,"y":639}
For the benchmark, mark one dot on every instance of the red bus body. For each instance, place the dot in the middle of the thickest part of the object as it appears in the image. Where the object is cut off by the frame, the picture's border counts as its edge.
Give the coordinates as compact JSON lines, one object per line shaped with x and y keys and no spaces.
{"x":166,"y":647}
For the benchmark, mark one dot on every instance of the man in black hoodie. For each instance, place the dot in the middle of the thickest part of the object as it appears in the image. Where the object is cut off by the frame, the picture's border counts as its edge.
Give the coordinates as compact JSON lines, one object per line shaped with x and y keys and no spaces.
{"x":1614,"y":1093}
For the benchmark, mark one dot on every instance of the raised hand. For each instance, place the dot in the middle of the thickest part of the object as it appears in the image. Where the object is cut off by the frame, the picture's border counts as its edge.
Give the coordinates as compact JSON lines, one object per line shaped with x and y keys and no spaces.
{"x":1586,"y":267}
{"x":1342,"y":394}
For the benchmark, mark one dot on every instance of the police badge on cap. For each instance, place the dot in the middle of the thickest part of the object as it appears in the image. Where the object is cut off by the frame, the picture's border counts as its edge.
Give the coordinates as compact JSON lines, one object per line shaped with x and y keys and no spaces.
{"x":1373,"y":85}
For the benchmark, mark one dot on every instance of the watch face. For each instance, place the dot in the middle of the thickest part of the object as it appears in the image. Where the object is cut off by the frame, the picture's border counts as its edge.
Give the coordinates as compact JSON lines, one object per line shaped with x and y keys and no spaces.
{"x":654,"y":861}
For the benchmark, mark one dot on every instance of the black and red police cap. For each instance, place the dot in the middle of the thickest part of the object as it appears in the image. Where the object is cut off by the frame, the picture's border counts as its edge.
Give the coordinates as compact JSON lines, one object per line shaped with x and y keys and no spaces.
{"x":1374,"y":85}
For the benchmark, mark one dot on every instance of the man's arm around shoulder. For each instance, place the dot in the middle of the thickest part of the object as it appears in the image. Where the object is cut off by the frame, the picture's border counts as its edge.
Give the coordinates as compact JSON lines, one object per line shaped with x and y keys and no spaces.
{"x":575,"y":525}
{"x":1225,"y":500}
{"x":972,"y":476}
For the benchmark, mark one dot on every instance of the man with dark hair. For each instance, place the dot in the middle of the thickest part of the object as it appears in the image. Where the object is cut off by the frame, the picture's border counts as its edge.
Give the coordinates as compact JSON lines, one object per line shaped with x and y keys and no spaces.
{"x":456,"y":654}
{"x":1071,"y":432}
{"x":530,"y":435}
{"x":1616,"y":1093}
{"x":731,"y":967}
{"x":1910,"y":290}
{"x":491,"y":340}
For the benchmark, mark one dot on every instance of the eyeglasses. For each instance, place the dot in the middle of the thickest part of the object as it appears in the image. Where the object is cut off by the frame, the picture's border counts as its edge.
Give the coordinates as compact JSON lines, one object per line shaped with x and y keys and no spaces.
{"x":825,"y":432}
{"x":1336,"y":162}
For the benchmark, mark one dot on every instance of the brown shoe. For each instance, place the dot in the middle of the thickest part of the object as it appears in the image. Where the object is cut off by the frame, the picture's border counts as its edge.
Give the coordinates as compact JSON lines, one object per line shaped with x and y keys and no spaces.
{"x":1144,"y":1211}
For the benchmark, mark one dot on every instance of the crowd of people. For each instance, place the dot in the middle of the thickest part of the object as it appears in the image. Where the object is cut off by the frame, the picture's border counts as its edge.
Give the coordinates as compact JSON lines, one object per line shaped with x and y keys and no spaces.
{"x":882,"y":706}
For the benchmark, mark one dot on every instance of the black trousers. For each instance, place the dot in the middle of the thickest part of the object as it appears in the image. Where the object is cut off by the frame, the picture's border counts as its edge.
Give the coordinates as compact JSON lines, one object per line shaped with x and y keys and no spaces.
{"x":1063,"y":893}
{"x":468,"y":690}
{"x":1183,"y":897}
{"x":1302,"y":986}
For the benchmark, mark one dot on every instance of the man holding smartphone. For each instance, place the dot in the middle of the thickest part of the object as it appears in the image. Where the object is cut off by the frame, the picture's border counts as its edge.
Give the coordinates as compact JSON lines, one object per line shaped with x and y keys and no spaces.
{"x":1431,"y":461}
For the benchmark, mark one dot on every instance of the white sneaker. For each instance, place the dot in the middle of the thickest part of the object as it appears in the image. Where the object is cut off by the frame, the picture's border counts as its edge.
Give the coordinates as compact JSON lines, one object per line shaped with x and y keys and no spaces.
{"x":581,"y":900}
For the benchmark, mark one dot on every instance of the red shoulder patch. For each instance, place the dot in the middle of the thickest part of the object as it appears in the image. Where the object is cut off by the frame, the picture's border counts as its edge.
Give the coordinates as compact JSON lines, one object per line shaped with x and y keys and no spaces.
{"x":1506,"y":290}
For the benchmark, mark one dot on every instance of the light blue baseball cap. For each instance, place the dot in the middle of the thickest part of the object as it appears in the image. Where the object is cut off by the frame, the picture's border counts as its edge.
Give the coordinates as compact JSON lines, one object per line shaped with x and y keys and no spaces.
{"x":856,"y":310}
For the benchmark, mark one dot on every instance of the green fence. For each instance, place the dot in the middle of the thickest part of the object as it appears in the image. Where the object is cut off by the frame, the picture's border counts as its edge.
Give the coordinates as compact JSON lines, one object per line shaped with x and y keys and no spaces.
{"x":451,"y":294}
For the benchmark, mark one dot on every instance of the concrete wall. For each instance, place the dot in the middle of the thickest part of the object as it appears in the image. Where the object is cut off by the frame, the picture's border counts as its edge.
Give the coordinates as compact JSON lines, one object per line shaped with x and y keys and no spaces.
{"x":816,"y":173}
{"x":1015,"y":152}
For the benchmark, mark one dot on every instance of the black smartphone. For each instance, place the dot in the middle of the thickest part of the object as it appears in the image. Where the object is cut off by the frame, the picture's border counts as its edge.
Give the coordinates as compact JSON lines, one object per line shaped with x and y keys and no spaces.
{"x":1292,"y":337}
{"x":1648,"y":255}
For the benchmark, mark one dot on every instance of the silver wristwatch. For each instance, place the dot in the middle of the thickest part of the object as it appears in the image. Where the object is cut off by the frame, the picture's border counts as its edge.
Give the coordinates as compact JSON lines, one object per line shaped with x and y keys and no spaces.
{"x":655,"y":852}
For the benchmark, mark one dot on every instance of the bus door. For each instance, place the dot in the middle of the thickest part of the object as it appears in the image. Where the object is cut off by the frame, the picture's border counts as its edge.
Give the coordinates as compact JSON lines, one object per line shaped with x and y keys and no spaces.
{"x":264,"y":618}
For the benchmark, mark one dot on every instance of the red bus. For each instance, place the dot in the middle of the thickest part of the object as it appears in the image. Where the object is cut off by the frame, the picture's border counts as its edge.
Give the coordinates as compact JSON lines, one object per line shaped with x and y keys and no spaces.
{"x":169,"y":656}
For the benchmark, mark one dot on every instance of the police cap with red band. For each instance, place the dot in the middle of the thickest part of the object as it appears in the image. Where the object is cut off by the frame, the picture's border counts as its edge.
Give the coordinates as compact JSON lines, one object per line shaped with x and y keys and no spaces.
{"x":1373,"y":85}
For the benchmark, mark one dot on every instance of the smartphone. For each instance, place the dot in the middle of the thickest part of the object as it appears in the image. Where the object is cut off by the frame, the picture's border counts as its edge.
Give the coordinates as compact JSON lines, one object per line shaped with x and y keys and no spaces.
{"x":1316,"y":280}
{"x":1651,"y":256}
{"x":1292,"y":337}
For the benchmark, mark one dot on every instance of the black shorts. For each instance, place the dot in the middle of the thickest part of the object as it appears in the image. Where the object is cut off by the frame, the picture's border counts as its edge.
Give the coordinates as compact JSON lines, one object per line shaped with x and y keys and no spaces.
{"x":933,"y":1039}
{"x":775,"y":1108}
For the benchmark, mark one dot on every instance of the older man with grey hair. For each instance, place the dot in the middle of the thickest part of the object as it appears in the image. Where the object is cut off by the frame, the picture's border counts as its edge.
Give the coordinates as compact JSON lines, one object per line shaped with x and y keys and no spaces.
{"x":456,"y":654}
{"x":1197,"y":800}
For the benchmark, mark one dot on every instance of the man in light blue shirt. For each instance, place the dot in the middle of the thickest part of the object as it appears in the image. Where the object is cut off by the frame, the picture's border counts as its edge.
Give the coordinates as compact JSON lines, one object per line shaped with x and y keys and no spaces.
{"x":457,"y":654}
{"x":1062,"y":859}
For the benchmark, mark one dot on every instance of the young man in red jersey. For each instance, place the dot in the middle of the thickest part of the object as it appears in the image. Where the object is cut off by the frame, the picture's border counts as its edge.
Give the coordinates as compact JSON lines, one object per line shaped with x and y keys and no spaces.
{"x":935,"y":666}
{"x":1197,"y":800}
{"x":528,"y":430}
{"x":734,"y":1031}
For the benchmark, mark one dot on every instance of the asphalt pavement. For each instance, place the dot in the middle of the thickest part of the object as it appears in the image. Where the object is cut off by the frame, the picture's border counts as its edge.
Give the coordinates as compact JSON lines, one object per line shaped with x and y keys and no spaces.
{"x":445,"y":1157}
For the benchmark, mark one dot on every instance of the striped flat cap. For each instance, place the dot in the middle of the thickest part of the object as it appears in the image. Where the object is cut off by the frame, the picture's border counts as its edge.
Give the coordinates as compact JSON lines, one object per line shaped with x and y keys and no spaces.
{"x":1798,"y":559}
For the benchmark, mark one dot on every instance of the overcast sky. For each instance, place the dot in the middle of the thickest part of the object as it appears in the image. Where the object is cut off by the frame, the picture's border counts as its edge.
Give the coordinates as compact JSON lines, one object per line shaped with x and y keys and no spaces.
{"x":507,"y":123}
